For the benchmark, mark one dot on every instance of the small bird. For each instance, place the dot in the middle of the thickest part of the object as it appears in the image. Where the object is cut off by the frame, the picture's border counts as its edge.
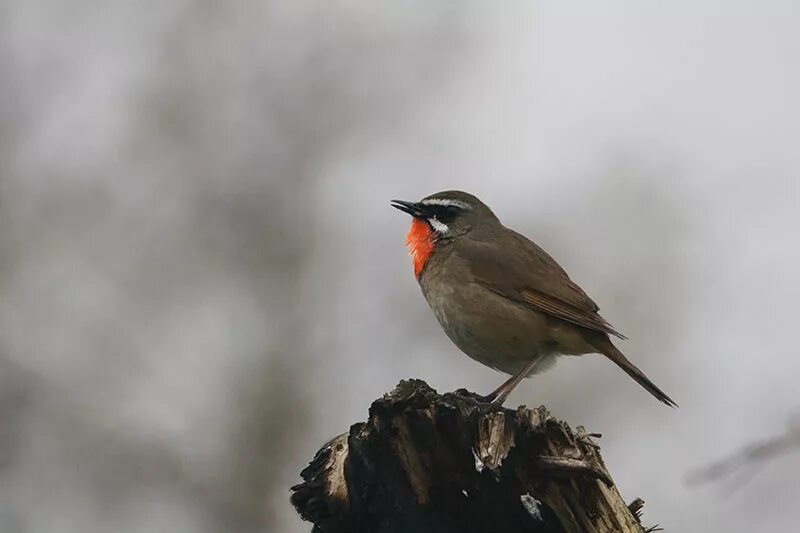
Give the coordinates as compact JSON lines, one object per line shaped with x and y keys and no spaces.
{"x":501,"y":298}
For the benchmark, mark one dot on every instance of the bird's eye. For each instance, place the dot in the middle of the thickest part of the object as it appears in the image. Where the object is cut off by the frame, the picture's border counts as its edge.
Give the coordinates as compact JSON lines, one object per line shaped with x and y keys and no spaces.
{"x":446,"y":213}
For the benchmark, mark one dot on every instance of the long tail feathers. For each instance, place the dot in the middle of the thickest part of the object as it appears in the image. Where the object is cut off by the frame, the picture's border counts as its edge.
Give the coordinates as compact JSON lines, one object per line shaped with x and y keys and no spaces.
{"x":611,"y":351}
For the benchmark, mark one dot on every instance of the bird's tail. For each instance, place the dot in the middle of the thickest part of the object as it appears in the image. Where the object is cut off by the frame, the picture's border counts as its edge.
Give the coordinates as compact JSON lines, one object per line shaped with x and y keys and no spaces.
{"x":608,"y":349}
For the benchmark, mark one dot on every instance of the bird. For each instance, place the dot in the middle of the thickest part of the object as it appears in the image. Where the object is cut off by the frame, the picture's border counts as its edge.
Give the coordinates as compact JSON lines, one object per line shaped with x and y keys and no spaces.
{"x":499,"y":297}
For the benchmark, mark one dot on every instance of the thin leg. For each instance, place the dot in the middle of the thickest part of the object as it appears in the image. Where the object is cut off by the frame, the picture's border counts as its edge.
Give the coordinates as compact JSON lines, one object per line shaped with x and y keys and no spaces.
{"x":501,"y":393}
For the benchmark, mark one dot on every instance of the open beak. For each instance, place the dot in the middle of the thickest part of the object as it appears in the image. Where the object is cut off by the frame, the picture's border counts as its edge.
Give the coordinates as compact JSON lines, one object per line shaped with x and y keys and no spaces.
{"x":412,"y":208}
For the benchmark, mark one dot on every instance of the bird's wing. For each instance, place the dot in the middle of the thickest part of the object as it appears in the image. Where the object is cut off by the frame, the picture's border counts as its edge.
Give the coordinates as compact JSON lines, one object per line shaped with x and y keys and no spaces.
{"x":521,"y":271}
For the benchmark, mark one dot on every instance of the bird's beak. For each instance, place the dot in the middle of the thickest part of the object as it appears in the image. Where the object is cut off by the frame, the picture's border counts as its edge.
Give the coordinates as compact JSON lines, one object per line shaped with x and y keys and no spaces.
{"x":412,"y":208}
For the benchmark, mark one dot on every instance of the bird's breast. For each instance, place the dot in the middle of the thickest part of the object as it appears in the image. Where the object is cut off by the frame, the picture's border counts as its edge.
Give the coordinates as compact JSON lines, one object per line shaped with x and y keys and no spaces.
{"x":487,"y":327}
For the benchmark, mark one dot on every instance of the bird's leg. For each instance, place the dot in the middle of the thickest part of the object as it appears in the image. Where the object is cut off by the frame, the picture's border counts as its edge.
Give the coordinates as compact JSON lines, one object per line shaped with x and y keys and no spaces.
{"x":499,"y":395}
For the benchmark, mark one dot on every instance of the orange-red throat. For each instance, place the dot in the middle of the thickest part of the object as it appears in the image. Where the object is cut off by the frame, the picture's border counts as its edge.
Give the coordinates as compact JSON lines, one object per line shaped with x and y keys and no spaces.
{"x":420,"y":241}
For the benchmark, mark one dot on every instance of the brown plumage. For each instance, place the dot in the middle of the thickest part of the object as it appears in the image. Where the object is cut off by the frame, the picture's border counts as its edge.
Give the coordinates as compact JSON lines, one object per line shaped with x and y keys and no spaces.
{"x":502,"y":299}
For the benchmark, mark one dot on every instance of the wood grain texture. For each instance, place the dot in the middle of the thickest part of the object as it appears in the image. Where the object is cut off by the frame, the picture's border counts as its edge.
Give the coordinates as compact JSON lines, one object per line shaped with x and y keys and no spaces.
{"x":425,"y":462}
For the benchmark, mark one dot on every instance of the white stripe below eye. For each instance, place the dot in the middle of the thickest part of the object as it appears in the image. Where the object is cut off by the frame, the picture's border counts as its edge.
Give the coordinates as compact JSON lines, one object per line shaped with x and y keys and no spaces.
{"x":445,"y":202}
{"x":438,"y":227}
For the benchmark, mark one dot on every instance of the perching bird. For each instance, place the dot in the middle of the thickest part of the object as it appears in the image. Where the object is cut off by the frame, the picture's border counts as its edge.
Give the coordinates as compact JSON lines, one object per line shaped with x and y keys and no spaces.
{"x":501,"y":298}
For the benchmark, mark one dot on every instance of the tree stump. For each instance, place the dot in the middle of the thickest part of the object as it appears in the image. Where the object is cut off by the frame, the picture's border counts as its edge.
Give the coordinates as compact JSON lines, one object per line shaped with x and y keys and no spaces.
{"x":425,"y":462}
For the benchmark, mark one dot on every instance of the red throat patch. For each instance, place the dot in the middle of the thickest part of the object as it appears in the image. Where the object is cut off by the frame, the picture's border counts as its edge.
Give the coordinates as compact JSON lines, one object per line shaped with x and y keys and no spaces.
{"x":420,"y":242}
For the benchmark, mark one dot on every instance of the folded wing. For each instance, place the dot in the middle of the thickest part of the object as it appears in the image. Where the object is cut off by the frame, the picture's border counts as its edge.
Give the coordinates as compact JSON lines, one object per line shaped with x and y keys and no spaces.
{"x":529,"y":276}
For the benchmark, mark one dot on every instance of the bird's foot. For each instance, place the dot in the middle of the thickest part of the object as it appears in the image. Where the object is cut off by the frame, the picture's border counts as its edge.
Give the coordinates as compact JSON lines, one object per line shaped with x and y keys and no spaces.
{"x":474,"y":398}
{"x":492,"y":399}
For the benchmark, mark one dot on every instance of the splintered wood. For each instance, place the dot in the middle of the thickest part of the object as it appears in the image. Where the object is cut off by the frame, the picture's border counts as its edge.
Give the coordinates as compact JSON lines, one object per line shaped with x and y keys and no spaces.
{"x":425,"y":462}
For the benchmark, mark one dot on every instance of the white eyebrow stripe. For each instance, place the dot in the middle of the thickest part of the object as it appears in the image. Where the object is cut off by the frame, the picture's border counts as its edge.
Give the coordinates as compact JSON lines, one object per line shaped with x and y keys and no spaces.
{"x":438,"y":227}
{"x":445,"y":202}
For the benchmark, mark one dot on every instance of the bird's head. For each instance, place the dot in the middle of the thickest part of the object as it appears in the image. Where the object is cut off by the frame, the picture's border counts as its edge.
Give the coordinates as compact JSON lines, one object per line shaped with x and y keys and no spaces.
{"x":439,"y":219}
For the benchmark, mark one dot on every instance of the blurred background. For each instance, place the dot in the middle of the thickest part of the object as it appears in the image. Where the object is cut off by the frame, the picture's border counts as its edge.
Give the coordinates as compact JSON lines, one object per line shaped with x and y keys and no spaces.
{"x":201,"y":279}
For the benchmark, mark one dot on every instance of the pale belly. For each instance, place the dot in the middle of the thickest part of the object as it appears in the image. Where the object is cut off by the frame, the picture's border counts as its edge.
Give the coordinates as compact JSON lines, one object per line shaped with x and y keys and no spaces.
{"x":498,"y":332}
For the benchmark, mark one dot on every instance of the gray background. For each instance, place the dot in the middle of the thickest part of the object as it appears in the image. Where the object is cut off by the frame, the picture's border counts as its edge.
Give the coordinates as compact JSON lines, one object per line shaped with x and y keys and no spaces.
{"x":201,"y":279}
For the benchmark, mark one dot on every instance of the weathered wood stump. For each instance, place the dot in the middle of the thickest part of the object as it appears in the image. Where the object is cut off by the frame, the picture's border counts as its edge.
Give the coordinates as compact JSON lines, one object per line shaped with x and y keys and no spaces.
{"x":425,"y":462}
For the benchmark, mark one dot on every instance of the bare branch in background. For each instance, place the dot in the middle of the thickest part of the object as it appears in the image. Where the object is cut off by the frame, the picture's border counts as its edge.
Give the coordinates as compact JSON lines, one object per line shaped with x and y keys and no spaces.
{"x":750,"y":458}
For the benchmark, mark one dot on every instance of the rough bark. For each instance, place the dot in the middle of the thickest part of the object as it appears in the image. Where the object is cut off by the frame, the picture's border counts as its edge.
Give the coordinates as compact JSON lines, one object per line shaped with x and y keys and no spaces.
{"x":425,"y":462}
